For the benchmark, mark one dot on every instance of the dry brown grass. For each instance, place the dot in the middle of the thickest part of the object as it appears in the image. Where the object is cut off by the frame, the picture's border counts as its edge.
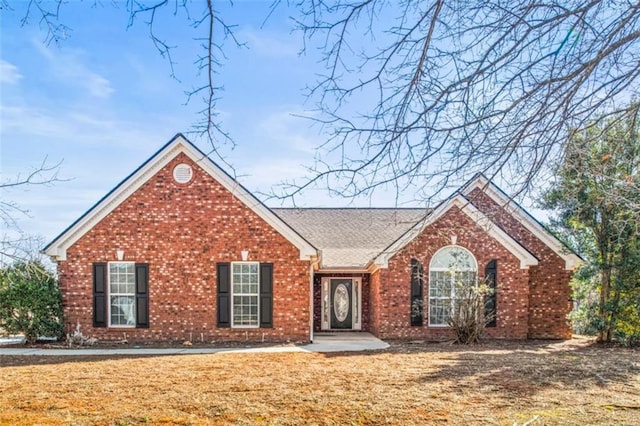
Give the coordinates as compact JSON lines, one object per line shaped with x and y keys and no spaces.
{"x":573,"y":382}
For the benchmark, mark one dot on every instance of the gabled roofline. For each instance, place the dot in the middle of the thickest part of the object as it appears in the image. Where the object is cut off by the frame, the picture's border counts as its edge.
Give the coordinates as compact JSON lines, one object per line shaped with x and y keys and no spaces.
{"x":346,"y":270}
{"x":481,"y":182}
{"x":349,"y":208}
{"x":526,"y":258}
{"x":57,"y":248}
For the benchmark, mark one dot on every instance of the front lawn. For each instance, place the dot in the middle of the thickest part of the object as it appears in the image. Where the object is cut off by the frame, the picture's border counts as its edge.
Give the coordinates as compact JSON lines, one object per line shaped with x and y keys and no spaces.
{"x":573,"y":382}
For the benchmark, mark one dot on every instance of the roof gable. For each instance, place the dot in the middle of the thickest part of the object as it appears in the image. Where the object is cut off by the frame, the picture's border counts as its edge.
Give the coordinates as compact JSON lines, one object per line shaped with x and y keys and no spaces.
{"x":524,"y":218}
{"x":526,"y":258}
{"x":179,"y":144}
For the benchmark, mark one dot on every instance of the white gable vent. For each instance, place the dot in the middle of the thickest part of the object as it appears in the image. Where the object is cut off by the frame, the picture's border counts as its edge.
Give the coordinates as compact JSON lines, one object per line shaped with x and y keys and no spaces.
{"x":182,"y":173}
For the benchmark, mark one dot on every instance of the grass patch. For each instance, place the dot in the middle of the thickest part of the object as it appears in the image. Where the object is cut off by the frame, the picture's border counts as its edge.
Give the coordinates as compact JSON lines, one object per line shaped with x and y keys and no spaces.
{"x":574,"y":382}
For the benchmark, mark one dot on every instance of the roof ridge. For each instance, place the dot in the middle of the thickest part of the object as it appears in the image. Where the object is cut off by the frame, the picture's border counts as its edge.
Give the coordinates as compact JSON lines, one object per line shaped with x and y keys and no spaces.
{"x":350,"y":208}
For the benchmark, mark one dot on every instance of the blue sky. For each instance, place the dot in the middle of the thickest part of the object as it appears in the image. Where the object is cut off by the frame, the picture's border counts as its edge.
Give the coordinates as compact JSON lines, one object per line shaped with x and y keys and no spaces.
{"x":102,"y":101}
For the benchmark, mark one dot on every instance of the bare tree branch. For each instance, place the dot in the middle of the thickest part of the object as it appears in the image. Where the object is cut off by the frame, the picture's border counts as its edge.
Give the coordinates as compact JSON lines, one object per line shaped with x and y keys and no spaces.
{"x":208,"y":126}
{"x":14,"y":245}
{"x":421,"y":94}
{"x":44,"y":174}
{"x":215,"y":32}
{"x":47,"y":17}
{"x":136,"y":8}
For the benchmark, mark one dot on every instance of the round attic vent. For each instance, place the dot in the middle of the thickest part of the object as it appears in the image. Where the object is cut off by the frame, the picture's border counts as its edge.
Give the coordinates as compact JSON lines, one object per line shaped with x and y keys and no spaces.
{"x":182,"y":173}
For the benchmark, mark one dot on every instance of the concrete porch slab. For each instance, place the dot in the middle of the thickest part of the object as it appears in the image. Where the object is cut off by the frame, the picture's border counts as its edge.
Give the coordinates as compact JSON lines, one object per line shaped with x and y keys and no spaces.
{"x":345,"y":342}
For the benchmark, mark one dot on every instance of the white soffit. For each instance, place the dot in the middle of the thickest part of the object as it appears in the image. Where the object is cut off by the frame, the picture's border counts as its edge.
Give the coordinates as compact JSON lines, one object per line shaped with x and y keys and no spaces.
{"x":525,"y":257}
{"x":58,"y":247}
{"x":529,"y":222}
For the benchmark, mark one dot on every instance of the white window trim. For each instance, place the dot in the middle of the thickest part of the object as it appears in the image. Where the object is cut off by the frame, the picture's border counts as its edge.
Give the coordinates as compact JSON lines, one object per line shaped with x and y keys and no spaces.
{"x":109,"y":294}
{"x":452,"y":296}
{"x":233,"y":325}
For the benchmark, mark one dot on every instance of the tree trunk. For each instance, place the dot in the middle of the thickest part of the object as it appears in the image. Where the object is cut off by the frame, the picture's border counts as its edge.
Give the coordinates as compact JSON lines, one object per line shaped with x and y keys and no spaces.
{"x":605,"y":287}
{"x":613,"y":314}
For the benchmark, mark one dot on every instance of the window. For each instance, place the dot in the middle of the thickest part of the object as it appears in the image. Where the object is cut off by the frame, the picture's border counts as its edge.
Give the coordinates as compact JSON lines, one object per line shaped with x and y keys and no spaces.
{"x":450,"y":267}
{"x":245,"y":288}
{"x":122,"y":294}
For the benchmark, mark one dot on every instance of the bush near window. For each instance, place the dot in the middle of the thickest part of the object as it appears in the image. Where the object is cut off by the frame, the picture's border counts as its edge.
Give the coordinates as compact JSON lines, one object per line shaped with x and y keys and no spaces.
{"x":468,"y":317}
{"x":30,"y":301}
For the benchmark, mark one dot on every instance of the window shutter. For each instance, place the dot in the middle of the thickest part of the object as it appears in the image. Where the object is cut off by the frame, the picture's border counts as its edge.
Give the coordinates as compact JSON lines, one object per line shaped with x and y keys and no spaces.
{"x":266,"y":295}
{"x":142,"y":295}
{"x":99,"y":294}
{"x":491,"y":300}
{"x":417,"y":279}
{"x":224,"y":295}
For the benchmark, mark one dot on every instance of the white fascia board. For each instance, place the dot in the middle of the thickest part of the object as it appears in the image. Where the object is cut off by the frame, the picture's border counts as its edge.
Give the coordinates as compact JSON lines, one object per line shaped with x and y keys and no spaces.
{"x":57,"y":249}
{"x":525,"y":257}
{"x":496,"y":194}
{"x":347,"y":270}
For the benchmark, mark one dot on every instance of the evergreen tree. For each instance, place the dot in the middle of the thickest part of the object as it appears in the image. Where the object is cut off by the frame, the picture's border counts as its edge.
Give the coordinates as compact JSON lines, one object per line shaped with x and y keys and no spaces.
{"x":597,"y":197}
{"x":30,"y":301}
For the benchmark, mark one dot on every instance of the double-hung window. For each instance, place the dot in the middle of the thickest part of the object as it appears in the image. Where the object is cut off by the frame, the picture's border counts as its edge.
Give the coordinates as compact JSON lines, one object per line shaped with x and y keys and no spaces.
{"x":245,"y":288}
{"x":245,"y":294}
{"x":450,"y":268}
{"x":122,"y":294}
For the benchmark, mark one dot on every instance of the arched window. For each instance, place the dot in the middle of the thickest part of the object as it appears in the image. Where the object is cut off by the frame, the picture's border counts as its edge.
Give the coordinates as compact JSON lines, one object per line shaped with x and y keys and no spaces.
{"x":450,"y":268}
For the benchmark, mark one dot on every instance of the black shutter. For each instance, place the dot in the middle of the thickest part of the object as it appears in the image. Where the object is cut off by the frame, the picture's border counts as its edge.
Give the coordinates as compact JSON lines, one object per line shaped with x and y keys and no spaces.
{"x":224,"y":295}
{"x":416,"y":292}
{"x":266,"y":295}
{"x":142,"y":295}
{"x":491,"y":300}
{"x":99,"y":294}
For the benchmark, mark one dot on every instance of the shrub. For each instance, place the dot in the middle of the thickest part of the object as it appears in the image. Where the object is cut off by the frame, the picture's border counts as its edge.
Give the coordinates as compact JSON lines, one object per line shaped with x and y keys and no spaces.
{"x":78,"y":339}
{"x":468,"y":318}
{"x":30,"y":301}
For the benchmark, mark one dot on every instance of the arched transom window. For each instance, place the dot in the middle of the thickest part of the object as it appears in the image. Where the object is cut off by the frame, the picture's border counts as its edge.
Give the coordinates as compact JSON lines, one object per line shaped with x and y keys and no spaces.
{"x":450,"y":267}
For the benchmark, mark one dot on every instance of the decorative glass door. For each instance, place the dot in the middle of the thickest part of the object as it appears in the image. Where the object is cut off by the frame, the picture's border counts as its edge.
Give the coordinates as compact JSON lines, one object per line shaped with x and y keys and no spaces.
{"x":341,"y":310}
{"x":341,"y":303}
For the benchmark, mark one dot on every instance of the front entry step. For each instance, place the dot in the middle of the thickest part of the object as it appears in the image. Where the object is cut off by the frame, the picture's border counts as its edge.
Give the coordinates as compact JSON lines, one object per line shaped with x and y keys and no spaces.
{"x":346,"y":341}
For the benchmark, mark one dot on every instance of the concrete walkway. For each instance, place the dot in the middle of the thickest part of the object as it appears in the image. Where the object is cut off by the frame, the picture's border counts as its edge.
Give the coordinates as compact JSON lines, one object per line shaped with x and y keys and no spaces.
{"x":323,"y":342}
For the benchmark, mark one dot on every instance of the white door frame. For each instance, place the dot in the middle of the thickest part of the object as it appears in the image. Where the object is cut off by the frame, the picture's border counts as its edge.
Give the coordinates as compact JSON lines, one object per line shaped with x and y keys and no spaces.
{"x":356,"y":302}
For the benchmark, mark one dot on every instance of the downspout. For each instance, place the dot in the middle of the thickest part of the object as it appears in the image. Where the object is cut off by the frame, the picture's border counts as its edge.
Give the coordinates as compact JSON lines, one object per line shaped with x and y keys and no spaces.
{"x":311,"y":268}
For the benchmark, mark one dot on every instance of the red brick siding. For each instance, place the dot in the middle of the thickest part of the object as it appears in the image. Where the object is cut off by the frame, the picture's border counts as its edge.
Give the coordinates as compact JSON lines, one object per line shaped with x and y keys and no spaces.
{"x":375,"y":289}
{"x":317,"y":295}
{"x":392,"y":295}
{"x":550,"y":293}
{"x":182,"y":231}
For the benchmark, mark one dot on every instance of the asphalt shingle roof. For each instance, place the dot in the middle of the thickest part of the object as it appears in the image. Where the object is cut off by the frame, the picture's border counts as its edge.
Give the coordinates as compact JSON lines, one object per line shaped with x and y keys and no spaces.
{"x":350,"y":237}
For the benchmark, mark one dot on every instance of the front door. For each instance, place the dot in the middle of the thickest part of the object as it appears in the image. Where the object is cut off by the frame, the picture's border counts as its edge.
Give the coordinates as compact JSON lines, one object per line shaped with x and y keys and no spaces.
{"x":341,"y":306}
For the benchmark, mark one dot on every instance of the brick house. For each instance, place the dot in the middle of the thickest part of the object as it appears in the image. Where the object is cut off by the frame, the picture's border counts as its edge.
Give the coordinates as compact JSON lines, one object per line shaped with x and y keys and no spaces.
{"x":180,"y":250}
